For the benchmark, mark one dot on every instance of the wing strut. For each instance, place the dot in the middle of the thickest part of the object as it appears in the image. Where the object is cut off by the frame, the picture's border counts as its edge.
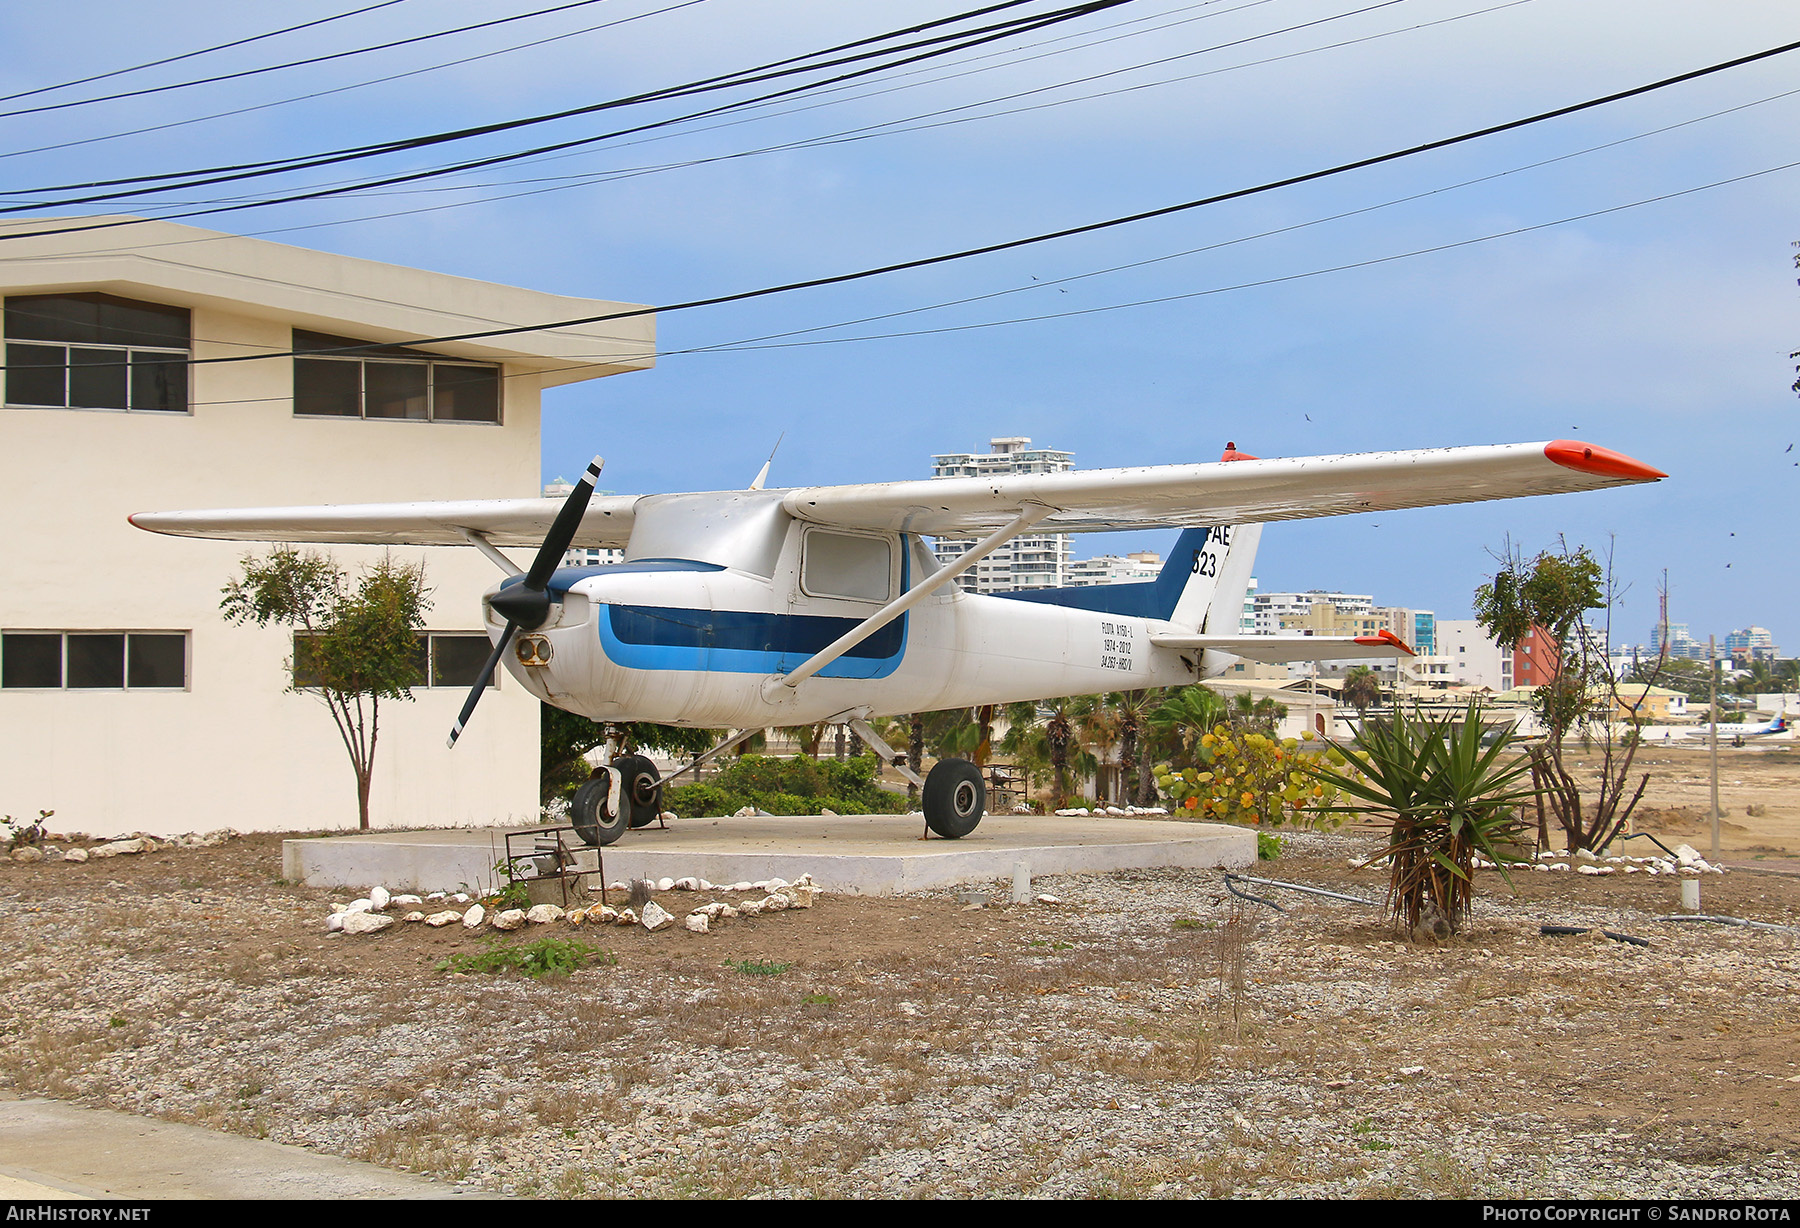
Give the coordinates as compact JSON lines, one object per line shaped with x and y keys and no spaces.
{"x":1027,"y":517}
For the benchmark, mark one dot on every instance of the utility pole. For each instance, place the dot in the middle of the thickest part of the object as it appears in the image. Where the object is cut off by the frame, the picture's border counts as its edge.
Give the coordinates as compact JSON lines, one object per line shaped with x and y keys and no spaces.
{"x":1712,"y":661}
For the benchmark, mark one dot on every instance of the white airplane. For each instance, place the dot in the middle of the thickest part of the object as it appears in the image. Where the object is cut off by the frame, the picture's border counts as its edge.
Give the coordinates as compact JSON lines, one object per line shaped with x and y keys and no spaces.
{"x":752,"y":608}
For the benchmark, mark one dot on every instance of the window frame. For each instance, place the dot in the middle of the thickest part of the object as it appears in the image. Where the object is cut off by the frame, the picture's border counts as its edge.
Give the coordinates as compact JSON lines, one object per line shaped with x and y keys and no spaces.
{"x":305,"y":342}
{"x":126,"y":634}
{"x":886,"y":539}
{"x":428,"y":654}
{"x":129,"y":352}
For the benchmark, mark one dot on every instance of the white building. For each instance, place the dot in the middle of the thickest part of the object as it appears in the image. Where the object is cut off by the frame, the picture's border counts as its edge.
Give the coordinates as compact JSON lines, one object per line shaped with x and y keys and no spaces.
{"x":1269,"y":609}
{"x":126,"y":701}
{"x":582,"y":556}
{"x":1031,"y":560}
{"x":1114,"y":569}
{"x":1472,"y":657}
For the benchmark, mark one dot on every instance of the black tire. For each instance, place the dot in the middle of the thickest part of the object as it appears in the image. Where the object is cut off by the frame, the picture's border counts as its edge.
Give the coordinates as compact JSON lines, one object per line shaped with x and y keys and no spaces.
{"x":642,"y":789}
{"x":955,"y":798}
{"x":589,"y":815}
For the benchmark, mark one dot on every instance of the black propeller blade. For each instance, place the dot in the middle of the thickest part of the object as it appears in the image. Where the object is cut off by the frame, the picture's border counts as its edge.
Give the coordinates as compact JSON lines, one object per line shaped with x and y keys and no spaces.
{"x":527,"y":603}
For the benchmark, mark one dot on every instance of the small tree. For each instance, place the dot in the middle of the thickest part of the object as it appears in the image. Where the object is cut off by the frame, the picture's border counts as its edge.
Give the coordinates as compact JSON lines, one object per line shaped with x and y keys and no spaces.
{"x":1553,"y":592}
{"x":1445,"y":798}
{"x":354,"y":647}
{"x":1362,"y":691}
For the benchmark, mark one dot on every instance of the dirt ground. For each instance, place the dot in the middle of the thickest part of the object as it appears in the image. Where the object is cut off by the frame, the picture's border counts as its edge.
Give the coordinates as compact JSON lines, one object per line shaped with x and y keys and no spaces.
{"x":1148,"y":1035}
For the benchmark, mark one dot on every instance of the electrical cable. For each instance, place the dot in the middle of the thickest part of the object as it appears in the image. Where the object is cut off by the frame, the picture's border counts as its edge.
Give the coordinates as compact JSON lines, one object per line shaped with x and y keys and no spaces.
{"x":317,"y":59}
{"x":1091,"y":227}
{"x":188,"y":55}
{"x":891,"y":128}
{"x":497,"y":159}
{"x":720,"y":81}
{"x":344,"y":89}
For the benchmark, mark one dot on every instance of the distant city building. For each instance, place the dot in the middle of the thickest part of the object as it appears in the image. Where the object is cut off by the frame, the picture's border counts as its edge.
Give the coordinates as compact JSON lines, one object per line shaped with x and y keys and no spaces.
{"x":1417,"y":628}
{"x":1031,"y":560}
{"x":1751,"y":644}
{"x":1682,"y":646}
{"x":581,"y":556}
{"x":1112,"y":569}
{"x":1269,"y":610}
{"x":1474,"y":659}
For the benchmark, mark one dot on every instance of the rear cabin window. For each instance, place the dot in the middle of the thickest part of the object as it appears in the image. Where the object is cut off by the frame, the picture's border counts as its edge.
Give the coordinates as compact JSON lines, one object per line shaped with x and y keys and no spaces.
{"x":848,"y":565}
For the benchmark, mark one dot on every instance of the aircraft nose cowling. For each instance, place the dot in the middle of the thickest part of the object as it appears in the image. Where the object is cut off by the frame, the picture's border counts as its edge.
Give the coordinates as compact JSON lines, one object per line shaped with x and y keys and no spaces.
{"x":528,"y":607}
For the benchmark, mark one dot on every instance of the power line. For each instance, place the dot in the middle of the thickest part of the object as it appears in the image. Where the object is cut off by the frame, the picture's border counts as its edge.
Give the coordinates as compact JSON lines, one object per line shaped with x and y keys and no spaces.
{"x":319,"y":194}
{"x":1091,"y":227}
{"x":196,"y":178}
{"x":344,"y":89}
{"x":188,"y":55}
{"x":317,"y":59}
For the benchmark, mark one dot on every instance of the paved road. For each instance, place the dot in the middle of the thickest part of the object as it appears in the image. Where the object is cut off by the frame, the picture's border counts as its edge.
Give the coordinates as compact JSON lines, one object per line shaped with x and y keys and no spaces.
{"x":53,"y":1151}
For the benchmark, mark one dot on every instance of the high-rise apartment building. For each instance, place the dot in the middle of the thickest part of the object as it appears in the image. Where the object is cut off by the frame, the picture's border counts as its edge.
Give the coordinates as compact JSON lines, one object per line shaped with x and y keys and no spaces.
{"x":1031,"y":560}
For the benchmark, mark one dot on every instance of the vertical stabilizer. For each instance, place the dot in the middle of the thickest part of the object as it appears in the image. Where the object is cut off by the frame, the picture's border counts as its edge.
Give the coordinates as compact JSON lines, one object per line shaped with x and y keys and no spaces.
{"x":1218,"y":576}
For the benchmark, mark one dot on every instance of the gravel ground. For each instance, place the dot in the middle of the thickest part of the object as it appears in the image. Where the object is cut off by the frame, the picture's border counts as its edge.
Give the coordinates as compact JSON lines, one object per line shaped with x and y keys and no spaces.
{"x":1149,"y":1035}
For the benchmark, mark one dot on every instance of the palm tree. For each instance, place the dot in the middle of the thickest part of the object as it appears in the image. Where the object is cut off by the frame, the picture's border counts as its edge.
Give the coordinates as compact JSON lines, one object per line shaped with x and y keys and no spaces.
{"x":1134,"y":709}
{"x":1059,"y":734}
{"x":1097,"y":725}
{"x":1362,"y":691}
{"x":1186,"y":715}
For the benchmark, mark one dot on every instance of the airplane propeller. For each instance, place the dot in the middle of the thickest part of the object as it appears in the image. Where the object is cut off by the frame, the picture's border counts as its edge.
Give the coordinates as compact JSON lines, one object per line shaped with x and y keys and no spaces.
{"x":527,"y":603}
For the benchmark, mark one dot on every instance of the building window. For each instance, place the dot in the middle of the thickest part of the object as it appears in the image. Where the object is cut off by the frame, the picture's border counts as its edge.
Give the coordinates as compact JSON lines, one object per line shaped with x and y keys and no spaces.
{"x":440,"y":659}
{"x":94,"y":351}
{"x":93,"y":660}
{"x":390,"y":381}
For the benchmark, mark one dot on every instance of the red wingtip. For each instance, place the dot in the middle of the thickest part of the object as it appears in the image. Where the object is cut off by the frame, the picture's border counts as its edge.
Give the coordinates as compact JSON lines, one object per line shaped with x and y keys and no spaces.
{"x":1386,"y":639}
{"x":1587,"y":458}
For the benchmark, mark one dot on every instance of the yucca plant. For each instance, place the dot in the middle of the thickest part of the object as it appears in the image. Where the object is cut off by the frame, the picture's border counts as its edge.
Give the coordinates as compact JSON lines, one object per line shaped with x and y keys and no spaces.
{"x":1446,"y":798}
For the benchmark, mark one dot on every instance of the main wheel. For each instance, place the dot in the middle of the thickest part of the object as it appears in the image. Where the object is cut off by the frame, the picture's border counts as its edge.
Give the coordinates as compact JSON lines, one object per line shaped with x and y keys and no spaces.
{"x":643,"y":789}
{"x":955,"y":798}
{"x":591,"y":816}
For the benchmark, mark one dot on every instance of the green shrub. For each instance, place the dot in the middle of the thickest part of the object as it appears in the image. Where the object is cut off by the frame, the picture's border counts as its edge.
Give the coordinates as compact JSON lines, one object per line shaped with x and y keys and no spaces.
{"x":545,"y":957}
{"x":788,"y":786}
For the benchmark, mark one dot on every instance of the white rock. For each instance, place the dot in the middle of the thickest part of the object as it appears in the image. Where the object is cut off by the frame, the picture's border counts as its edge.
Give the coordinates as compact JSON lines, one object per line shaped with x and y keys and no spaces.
{"x":362,"y":905}
{"x":461,"y":897}
{"x":750,"y":908}
{"x":744,"y":812}
{"x":575,"y":916}
{"x":698,"y":923}
{"x":667,"y":816}
{"x":727,"y":913}
{"x":1686,"y":854}
{"x":1411,"y":1072}
{"x":1115,"y":812}
{"x":406,"y":901}
{"x":435,"y":895}
{"x":510,"y":919}
{"x":625,"y":916}
{"x":379,"y":898}
{"x":687,"y":884}
{"x":665,"y":884}
{"x":801,"y":896}
{"x":602,"y":915}
{"x":76,"y":855}
{"x":739,"y":887}
{"x":703,"y":885}
{"x":365,"y":922}
{"x":826,"y":812}
{"x":1541,"y":868}
{"x":775,"y":902}
{"x":1585,"y":855}
{"x":115,"y":848}
{"x":335,"y":923}
{"x":1049,"y":899}
{"x":28,"y":853}
{"x":655,"y":916}
{"x":438,"y":920}
{"x":544,"y":914}
{"x":474,"y":917}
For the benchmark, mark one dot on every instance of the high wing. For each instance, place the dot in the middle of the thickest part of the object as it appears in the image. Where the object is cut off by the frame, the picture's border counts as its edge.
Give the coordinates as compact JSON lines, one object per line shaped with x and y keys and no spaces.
{"x":503,"y":522}
{"x":1241,"y":490}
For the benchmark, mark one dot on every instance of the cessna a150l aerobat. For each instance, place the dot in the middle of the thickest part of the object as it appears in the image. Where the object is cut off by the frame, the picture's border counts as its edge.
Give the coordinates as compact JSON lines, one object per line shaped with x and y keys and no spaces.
{"x":752,"y":608}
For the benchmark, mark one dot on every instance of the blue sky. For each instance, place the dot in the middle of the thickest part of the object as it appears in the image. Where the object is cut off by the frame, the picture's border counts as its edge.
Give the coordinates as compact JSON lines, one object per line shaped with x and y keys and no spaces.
{"x":1662,"y":330}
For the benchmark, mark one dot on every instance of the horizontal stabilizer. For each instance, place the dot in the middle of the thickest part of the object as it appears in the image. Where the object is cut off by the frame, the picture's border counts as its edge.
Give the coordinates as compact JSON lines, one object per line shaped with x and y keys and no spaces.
{"x":1275,"y":649}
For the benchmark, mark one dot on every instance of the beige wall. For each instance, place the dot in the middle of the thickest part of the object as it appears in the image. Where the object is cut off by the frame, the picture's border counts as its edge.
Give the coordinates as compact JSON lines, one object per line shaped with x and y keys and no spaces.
{"x":235,"y":749}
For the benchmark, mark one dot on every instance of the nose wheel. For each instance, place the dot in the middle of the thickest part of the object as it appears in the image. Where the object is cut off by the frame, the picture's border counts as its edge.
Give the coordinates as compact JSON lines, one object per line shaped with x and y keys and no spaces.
{"x":627,"y":794}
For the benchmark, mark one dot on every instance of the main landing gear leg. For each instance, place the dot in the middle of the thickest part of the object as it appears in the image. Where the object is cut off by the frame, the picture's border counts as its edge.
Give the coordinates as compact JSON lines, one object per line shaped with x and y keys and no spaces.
{"x":954,"y":795}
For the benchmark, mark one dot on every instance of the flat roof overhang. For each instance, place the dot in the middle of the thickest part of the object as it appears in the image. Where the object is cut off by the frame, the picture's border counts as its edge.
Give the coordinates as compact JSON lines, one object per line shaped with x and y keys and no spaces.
{"x":187,"y":266}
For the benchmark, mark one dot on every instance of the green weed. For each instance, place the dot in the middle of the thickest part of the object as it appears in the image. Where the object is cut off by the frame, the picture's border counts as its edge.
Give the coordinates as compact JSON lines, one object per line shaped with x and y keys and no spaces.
{"x":545,"y":957}
{"x":751,"y":967}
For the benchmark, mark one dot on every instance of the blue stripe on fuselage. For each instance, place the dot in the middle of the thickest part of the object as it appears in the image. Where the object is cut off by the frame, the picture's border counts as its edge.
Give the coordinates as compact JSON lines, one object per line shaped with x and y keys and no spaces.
{"x":1138,"y":599}
{"x":748,"y":641}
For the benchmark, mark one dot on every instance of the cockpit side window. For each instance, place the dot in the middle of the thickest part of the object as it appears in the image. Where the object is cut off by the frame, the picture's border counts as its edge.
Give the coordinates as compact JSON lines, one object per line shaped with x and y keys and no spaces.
{"x":848,"y":565}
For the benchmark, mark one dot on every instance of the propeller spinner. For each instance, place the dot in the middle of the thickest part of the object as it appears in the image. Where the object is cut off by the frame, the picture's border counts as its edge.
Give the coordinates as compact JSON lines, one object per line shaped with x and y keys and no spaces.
{"x":527,"y":603}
